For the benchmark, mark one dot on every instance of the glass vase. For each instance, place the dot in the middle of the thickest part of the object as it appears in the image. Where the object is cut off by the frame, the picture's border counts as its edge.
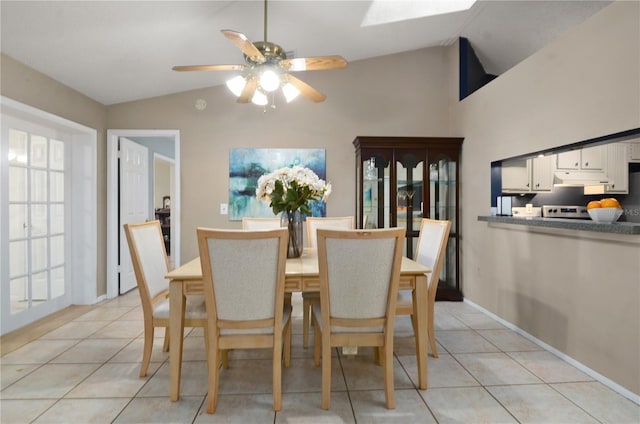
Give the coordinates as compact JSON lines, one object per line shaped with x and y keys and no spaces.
{"x":293,"y":222}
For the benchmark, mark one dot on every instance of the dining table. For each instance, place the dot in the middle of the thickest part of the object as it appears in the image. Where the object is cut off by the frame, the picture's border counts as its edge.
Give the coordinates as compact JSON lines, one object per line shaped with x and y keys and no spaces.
{"x":301,"y":275}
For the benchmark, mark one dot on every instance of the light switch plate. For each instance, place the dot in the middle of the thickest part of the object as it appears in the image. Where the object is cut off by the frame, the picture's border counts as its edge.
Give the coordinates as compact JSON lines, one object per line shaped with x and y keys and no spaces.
{"x":224,"y":209}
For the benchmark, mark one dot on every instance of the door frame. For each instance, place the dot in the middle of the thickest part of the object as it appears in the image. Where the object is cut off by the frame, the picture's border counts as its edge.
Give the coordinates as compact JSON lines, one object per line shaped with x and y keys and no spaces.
{"x":112,"y":200}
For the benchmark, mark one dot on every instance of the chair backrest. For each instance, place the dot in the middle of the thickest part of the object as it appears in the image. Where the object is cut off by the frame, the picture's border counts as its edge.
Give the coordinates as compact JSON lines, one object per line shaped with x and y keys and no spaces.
{"x":432,"y":245}
{"x":359,"y":275}
{"x":149,"y":259}
{"x":260,"y":223}
{"x":333,"y":223}
{"x":243,"y":275}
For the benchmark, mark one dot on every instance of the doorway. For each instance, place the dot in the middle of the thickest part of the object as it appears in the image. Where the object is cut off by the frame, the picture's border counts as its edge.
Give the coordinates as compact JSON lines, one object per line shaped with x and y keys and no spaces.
{"x":163,"y":189}
{"x":164,"y":143}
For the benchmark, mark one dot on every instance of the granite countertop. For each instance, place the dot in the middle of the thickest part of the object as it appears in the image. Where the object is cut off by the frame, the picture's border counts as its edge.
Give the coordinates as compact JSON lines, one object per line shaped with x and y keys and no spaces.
{"x":567,"y":224}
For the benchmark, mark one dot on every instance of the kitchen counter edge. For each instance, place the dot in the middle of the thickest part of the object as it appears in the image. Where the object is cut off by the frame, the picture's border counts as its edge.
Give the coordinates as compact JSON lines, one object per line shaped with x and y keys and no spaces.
{"x":567,"y":224}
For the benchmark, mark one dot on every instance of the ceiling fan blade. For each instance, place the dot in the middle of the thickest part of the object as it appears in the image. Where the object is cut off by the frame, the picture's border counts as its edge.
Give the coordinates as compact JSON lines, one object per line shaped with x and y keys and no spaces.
{"x":244,"y":44}
{"x":210,"y":68}
{"x":248,"y":91}
{"x":306,"y":90}
{"x":314,"y":63}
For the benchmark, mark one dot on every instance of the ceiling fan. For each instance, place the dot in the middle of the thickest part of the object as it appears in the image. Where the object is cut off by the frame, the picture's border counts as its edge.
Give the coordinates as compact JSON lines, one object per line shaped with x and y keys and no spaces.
{"x":267,"y":68}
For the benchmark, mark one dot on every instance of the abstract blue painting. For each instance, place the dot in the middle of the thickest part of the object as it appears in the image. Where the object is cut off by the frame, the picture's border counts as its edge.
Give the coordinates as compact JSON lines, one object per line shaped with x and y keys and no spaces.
{"x":247,"y":165}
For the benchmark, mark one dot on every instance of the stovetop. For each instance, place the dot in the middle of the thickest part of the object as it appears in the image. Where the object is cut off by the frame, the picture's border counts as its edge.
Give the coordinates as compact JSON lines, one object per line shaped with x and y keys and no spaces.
{"x":564,"y":211}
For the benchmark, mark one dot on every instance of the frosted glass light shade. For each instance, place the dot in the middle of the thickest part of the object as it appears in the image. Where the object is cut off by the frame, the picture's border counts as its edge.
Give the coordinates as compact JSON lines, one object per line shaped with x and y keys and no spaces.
{"x":236,"y":85}
{"x":259,"y":99}
{"x":290,"y":92}
{"x":269,"y":80}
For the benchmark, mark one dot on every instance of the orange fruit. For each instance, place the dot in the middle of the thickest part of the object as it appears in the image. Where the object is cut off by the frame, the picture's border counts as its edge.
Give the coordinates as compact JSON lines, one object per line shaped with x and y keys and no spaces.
{"x":594,"y":204}
{"x":610,"y":202}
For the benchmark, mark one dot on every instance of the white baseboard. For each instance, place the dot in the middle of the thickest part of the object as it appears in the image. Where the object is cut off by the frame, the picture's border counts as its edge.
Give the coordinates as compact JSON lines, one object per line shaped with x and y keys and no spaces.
{"x":597,"y":376}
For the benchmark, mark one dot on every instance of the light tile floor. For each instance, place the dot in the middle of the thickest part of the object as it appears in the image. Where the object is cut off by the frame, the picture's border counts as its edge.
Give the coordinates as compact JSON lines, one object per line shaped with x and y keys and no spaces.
{"x":86,"y":371}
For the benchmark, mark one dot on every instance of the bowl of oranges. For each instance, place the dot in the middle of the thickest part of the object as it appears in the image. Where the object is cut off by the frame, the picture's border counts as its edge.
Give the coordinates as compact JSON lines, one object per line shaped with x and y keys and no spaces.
{"x":604,"y":211}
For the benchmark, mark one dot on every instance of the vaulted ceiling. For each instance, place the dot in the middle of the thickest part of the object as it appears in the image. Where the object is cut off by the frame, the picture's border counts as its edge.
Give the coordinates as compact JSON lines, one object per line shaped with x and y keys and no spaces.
{"x":118,"y":51}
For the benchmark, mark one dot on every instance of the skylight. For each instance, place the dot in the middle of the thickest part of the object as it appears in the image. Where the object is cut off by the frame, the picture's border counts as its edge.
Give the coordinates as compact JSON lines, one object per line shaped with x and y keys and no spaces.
{"x":387,"y":11}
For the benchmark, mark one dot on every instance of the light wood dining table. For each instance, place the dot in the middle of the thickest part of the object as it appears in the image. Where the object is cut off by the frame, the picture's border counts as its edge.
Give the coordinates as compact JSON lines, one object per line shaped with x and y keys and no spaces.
{"x":301,"y":275}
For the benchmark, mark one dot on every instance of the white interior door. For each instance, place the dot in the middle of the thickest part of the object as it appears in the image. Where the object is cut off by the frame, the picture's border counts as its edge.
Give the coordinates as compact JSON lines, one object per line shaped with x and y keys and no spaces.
{"x":134,"y":201}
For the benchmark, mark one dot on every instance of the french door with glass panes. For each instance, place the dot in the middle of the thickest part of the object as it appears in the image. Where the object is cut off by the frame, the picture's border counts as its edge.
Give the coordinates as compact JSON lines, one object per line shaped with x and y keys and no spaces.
{"x":35,"y":237}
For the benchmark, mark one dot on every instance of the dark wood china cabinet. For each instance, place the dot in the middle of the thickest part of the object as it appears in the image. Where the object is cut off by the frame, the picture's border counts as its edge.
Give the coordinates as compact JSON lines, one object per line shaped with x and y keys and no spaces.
{"x":400,"y":180}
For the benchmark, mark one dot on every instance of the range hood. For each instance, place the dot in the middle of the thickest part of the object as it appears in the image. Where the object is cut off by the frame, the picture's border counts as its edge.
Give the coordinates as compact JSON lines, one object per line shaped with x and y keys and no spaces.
{"x":578,"y":178}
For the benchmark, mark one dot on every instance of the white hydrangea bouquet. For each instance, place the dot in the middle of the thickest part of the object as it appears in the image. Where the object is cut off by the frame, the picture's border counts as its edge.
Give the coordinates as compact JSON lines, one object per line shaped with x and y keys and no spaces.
{"x":291,"y":189}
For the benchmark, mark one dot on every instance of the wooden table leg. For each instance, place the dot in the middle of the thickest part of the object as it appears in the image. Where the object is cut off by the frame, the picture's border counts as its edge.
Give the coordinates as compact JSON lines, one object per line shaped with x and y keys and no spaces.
{"x":176,"y":336}
{"x":420,"y":306}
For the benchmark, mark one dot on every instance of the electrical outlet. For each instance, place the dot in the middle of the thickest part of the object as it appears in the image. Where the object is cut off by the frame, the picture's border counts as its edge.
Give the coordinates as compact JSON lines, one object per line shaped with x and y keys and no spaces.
{"x":224,"y":209}
{"x":349,"y":350}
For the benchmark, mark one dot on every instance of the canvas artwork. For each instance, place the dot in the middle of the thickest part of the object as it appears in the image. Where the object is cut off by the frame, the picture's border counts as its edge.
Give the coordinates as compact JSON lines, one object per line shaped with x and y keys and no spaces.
{"x":247,"y":165}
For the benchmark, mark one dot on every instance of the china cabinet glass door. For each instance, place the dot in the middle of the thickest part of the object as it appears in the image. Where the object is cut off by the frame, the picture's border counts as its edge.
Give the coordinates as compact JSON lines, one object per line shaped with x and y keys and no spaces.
{"x":409,"y":191}
{"x":376,"y":199}
{"x":443,"y":205}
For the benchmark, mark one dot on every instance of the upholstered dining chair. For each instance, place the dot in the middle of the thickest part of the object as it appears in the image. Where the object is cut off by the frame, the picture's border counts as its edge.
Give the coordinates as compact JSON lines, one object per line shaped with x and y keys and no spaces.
{"x":359,"y":279}
{"x":260,"y":223}
{"x":431,"y":250}
{"x":243,"y":277}
{"x":150,"y":265}
{"x":263,"y":224}
{"x":309,"y":298}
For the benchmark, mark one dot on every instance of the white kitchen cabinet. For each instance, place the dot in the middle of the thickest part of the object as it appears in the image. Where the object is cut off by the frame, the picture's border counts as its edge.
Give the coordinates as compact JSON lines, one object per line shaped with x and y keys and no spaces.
{"x":589,"y":158}
{"x":617,"y":168}
{"x":542,"y":173}
{"x":634,"y":151}
{"x":528,"y":175}
{"x":516,"y":176}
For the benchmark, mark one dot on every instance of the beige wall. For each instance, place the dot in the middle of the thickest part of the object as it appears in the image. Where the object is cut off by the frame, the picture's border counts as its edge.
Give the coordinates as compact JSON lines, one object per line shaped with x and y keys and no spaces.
{"x":161,"y":181}
{"x":404,"y":94}
{"x":577,"y":291}
{"x":30,"y":87}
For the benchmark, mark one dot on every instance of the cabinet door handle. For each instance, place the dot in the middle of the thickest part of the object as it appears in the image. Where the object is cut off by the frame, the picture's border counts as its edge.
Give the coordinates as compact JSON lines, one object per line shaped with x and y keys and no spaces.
{"x":586,"y":164}
{"x":576,"y":164}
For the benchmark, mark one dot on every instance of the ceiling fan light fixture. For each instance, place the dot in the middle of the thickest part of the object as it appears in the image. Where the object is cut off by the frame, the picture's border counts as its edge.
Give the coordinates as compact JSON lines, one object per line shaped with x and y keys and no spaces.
{"x":267,"y":69}
{"x":269,"y":80}
{"x":236,"y":85}
{"x":290,"y":92}
{"x":259,"y":98}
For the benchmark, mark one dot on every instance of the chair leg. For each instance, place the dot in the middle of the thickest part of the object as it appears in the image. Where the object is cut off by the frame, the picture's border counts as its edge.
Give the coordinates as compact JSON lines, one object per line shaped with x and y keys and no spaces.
{"x":165,"y":347}
{"x":213,"y":366}
{"x":306,"y":314}
{"x":148,"y":347}
{"x":277,"y":377}
{"x":287,"y":345}
{"x":414,"y":325}
{"x":389,"y":391}
{"x":431,"y":333}
{"x":225,"y":359}
{"x":317,"y":337}
{"x":326,"y":370}
{"x":378,"y":355}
